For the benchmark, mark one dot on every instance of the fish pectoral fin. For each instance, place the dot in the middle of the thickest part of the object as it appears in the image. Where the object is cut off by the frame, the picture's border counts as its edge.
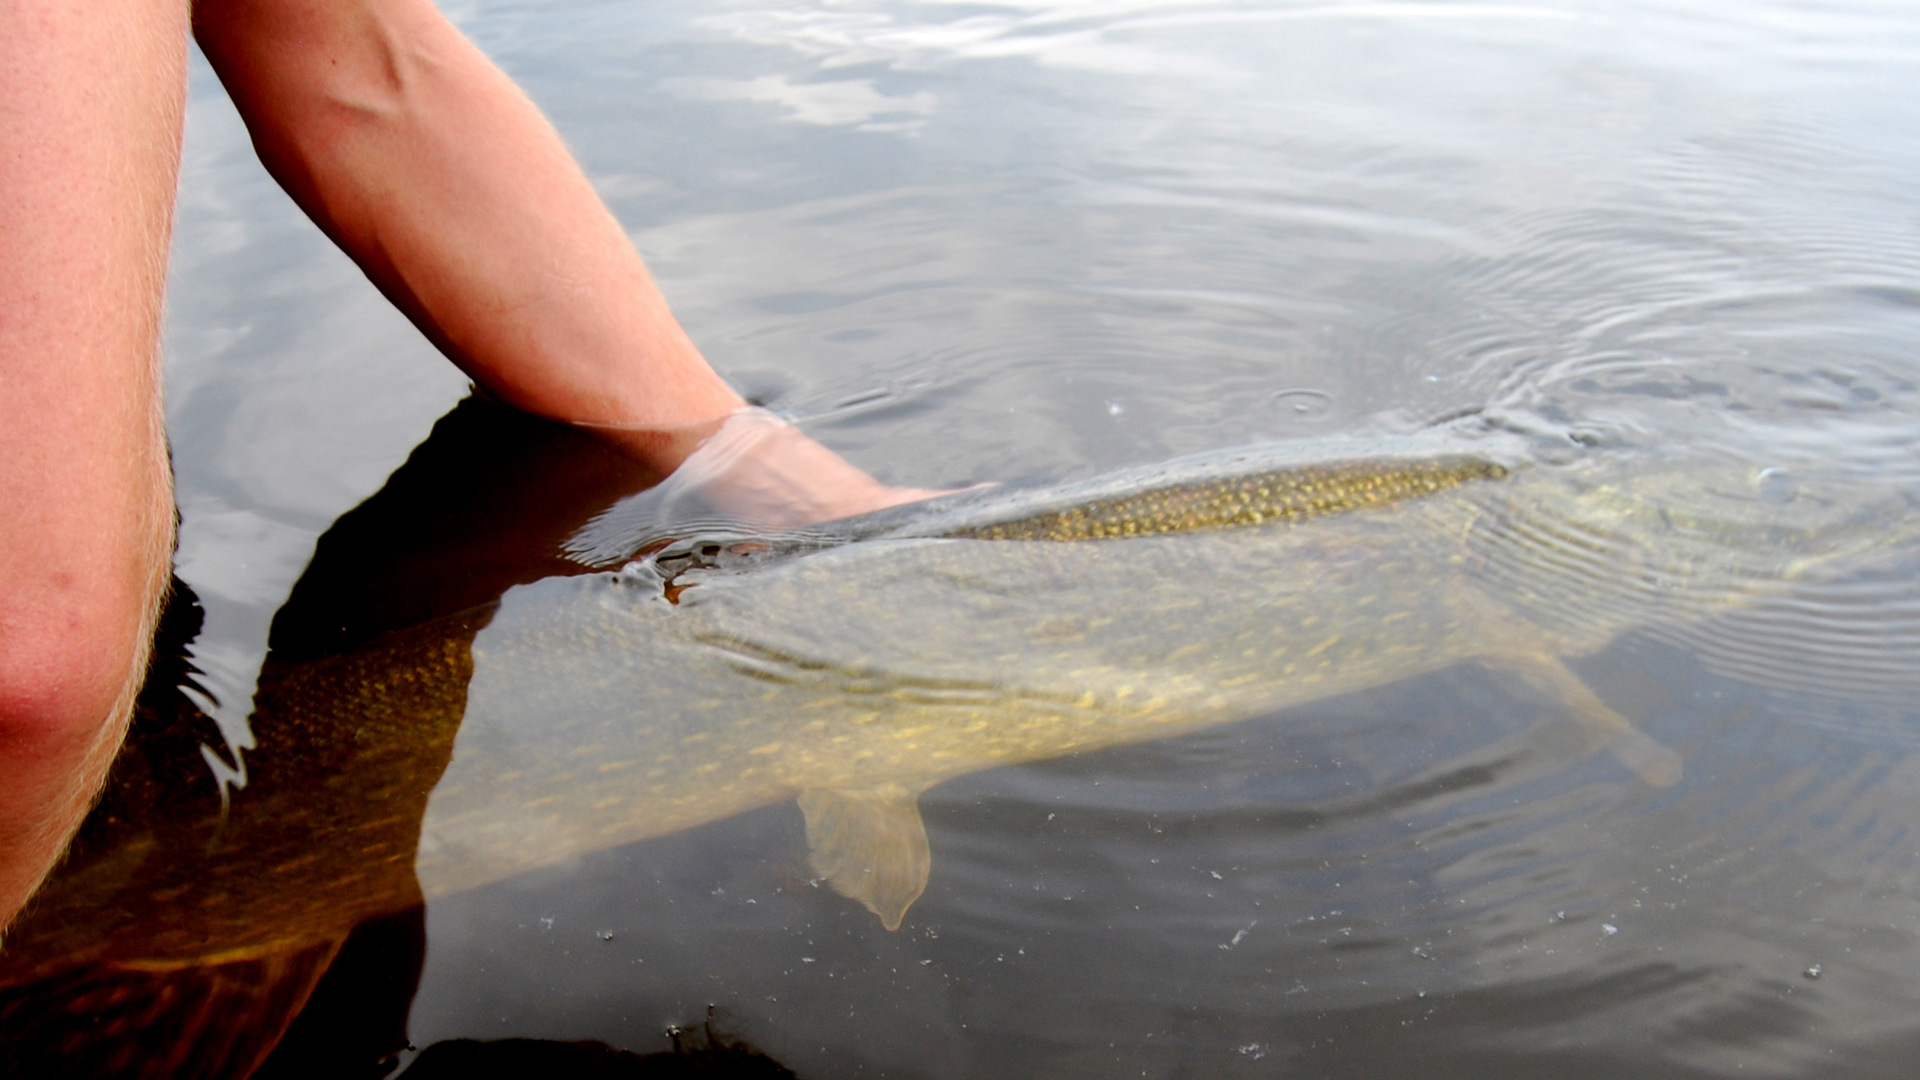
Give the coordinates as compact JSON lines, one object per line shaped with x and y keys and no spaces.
{"x":870,"y":845}
{"x":1653,"y":762}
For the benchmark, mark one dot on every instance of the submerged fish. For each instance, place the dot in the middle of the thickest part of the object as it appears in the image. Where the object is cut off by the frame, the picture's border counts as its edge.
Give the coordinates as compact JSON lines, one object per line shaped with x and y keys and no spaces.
{"x":659,"y":693}
{"x":611,"y":709}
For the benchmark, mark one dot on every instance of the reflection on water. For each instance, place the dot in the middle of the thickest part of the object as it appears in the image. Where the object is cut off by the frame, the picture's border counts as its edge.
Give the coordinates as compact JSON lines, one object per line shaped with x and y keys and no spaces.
{"x":1661,"y":256}
{"x":205,"y":918}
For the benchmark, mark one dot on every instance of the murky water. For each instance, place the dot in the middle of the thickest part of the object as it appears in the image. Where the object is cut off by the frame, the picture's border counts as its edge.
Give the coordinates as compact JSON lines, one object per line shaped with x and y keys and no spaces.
{"x":995,"y":241}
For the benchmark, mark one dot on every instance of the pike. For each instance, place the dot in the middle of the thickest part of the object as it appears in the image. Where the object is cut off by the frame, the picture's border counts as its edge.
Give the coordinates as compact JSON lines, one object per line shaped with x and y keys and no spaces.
{"x":727,"y":672}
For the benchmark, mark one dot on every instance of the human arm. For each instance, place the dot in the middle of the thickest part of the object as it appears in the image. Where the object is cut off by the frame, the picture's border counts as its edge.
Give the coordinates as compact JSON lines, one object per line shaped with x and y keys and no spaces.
{"x":425,"y":163}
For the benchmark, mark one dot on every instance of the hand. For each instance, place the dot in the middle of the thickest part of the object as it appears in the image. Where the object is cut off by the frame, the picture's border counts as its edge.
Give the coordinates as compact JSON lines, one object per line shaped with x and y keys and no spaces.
{"x":761,"y":471}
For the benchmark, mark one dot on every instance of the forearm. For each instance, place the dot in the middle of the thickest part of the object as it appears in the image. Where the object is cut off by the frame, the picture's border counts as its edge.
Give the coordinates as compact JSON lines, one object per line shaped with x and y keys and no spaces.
{"x":444,"y":182}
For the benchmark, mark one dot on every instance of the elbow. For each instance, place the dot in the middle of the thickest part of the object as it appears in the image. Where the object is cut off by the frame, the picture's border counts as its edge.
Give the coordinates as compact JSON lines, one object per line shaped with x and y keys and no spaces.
{"x":309,"y":75}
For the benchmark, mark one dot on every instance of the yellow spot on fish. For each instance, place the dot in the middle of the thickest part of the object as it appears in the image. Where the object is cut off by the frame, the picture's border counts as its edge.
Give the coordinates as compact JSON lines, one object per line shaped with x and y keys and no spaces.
{"x":770,"y":748}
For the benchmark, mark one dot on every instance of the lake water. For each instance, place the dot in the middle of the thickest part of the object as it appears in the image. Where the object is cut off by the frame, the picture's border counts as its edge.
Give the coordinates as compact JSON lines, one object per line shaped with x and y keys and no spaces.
{"x":991,"y":241}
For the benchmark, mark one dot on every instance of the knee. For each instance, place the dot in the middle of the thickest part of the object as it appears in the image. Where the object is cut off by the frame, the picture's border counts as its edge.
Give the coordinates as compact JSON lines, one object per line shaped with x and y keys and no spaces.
{"x":71,"y":663}
{"x":71,"y":660}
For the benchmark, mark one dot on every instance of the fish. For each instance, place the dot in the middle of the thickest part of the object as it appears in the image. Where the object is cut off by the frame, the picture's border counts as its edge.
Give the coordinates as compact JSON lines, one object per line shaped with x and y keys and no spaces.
{"x":852,"y":669}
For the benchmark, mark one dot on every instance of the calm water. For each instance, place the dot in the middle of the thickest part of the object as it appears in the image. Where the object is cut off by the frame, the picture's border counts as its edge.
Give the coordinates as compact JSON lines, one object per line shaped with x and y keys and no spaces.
{"x":1048,"y":238}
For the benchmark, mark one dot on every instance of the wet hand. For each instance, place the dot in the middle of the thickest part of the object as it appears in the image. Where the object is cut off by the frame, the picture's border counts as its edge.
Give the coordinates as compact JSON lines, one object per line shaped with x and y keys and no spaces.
{"x":756,"y":469}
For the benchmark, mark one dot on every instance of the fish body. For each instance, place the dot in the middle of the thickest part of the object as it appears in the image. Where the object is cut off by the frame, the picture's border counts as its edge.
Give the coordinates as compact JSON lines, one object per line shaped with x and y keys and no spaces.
{"x":787,"y":682}
{"x":607,"y":710}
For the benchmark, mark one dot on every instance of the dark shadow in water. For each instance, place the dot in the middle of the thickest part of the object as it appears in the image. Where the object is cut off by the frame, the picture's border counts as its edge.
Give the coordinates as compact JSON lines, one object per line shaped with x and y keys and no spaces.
{"x":189,"y":936}
{"x":354,"y":1024}
{"x":484,"y":504}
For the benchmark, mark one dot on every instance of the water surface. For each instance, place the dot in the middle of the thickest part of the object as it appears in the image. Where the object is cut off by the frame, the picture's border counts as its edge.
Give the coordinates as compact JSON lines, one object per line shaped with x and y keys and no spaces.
{"x":971,"y":242}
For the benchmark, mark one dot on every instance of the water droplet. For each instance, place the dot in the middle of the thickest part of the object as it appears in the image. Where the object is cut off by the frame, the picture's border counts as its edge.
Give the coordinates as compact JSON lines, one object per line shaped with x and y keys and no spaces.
{"x":1814,"y":971}
{"x":1776,"y":486}
{"x":1303,"y":402}
{"x":1609,"y":929}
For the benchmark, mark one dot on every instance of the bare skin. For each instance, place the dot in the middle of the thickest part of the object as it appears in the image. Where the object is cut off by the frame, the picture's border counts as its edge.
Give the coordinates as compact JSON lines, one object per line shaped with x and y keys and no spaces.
{"x":90,"y":106}
{"x":427,"y":166}
{"x":425,"y":163}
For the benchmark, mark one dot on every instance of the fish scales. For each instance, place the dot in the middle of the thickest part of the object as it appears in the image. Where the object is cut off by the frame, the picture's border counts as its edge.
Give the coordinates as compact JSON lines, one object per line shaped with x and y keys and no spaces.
{"x":1274,"y":496}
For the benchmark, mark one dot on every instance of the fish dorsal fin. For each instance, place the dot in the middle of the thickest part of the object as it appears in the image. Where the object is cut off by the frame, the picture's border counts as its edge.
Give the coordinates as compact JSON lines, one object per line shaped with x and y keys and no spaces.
{"x":870,"y":845}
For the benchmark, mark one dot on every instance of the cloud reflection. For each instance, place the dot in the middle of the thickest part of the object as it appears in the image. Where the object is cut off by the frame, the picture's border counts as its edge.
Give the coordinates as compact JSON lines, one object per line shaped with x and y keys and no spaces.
{"x":855,"y":103}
